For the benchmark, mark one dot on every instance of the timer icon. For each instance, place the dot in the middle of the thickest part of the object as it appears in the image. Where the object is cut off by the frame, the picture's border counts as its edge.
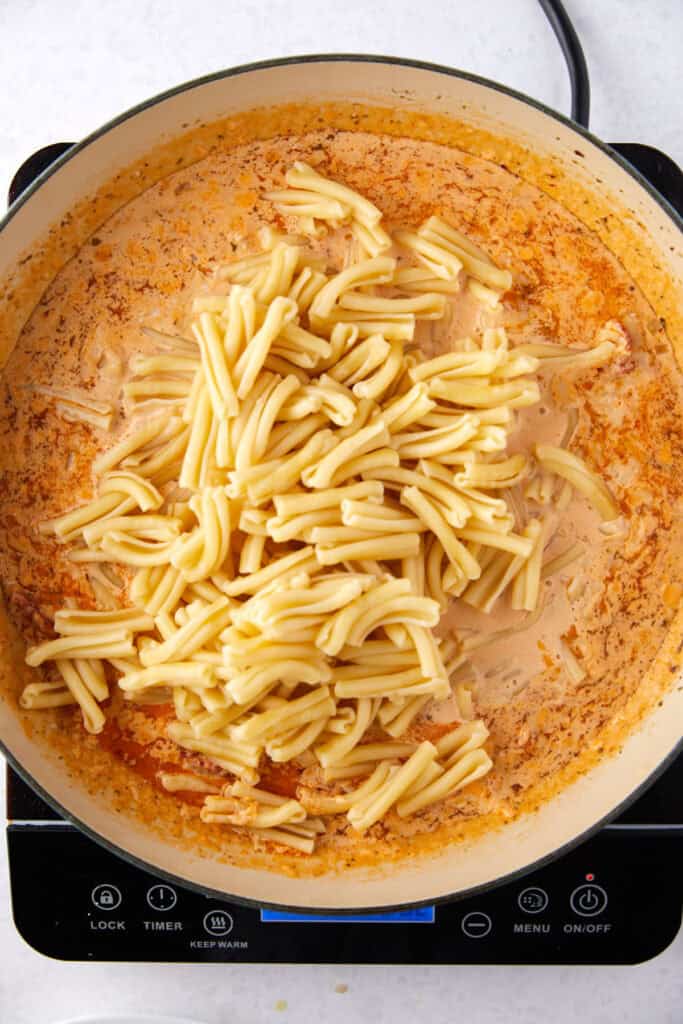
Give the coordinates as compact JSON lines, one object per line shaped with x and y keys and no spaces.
{"x":162,"y":898}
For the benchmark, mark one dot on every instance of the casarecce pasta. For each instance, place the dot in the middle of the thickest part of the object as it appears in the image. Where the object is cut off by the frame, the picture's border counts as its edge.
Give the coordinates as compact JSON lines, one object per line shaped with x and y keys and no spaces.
{"x":306,"y":497}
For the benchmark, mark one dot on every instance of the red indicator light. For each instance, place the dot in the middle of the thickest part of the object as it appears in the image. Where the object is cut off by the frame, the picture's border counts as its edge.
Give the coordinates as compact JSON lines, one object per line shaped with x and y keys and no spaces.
{"x":590,"y":877}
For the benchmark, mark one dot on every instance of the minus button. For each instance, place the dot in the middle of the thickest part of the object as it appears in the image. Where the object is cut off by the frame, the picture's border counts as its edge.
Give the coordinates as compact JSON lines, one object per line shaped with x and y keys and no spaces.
{"x":476,"y":925}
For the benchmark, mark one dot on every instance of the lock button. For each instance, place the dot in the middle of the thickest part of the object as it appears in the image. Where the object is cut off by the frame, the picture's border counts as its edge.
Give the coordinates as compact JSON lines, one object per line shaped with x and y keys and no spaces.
{"x":106,"y":897}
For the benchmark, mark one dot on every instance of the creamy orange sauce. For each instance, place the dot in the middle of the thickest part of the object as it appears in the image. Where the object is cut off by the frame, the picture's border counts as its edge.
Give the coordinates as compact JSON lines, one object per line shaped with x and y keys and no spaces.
{"x":142,"y":268}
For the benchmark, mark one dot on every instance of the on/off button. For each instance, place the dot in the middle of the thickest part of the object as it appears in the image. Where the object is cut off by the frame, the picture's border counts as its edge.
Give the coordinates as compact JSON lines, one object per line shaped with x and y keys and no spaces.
{"x":588,"y":900}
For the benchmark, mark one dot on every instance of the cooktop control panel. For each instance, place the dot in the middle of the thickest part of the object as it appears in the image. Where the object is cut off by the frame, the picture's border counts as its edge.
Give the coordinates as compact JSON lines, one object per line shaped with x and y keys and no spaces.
{"x":615,"y":899}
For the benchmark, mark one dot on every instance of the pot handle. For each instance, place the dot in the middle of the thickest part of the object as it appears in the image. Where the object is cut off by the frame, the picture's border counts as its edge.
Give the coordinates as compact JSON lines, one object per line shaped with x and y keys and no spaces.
{"x":659,"y":169}
{"x":570,"y":45}
{"x":34,"y":166}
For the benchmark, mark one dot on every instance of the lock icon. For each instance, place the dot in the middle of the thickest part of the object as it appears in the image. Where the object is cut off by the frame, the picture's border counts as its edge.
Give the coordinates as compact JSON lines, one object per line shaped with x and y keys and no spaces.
{"x":106,"y":897}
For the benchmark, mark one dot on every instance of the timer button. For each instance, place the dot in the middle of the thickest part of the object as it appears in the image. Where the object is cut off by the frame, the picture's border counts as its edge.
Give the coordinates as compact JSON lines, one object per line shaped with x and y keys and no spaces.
{"x":161,"y":898}
{"x":588,"y":900}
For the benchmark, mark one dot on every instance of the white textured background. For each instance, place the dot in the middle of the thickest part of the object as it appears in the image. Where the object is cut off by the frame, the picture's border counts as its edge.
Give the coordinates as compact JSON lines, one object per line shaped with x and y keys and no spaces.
{"x":66,"y":66}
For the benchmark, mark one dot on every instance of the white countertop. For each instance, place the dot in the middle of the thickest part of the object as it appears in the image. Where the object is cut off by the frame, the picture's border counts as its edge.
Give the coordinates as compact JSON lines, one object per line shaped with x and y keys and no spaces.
{"x":69,"y":66}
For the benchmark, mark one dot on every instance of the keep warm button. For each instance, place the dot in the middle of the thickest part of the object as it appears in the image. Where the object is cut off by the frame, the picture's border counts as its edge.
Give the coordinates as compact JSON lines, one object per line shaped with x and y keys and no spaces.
{"x":588,"y":900}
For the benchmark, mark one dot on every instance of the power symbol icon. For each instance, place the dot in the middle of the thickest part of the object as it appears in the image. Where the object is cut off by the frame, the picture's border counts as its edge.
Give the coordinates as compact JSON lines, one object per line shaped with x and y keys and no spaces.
{"x":588,"y":900}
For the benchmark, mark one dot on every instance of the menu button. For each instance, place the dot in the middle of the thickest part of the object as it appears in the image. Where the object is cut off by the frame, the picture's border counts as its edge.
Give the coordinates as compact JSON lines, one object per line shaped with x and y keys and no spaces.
{"x":533,"y":900}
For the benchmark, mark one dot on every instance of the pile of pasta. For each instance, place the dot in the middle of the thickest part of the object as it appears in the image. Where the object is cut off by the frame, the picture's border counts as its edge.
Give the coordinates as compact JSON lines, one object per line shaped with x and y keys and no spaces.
{"x":299,"y":497}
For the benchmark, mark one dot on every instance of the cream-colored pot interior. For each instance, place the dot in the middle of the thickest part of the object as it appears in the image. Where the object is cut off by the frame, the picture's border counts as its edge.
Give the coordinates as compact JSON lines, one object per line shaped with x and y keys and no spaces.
{"x":596,"y":794}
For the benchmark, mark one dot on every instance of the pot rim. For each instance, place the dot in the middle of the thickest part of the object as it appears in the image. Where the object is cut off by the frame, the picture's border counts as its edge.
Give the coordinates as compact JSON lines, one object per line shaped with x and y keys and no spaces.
{"x":321,"y":58}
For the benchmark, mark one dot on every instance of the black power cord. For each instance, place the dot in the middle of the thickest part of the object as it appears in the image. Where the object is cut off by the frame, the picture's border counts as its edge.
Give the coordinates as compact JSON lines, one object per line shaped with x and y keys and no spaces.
{"x":574,"y":56}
